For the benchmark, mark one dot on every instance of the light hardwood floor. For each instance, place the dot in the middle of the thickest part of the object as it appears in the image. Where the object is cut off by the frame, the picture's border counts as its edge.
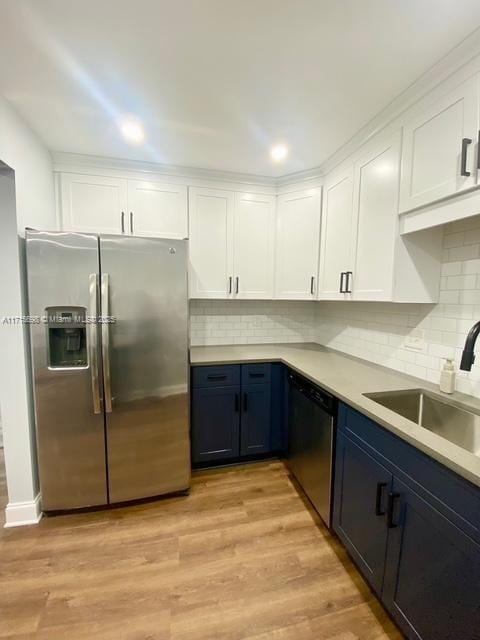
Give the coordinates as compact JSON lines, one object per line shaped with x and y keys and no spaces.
{"x":242,"y":557}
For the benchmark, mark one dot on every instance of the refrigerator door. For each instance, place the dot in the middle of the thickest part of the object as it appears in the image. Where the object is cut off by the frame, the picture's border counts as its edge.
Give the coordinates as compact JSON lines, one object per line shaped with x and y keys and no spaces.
{"x":144,"y":289}
{"x":62,"y":271}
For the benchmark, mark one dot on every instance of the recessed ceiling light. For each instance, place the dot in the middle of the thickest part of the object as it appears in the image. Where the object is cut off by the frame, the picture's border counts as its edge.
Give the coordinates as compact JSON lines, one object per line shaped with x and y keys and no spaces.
{"x":279,"y":152}
{"x":132,"y":130}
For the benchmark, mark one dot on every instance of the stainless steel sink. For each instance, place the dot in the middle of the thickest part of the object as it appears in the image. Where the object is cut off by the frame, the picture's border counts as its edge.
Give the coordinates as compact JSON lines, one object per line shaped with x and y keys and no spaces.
{"x":451,"y":421}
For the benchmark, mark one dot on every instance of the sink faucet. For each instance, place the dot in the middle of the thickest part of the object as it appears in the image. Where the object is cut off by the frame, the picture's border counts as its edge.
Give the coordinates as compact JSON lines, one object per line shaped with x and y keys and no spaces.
{"x":468,"y":357}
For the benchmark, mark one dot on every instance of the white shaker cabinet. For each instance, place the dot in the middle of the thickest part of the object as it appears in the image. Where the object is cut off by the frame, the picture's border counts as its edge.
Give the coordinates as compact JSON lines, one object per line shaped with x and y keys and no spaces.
{"x":363,"y":257}
{"x":211,"y":243}
{"x":297,"y":244}
{"x":254,"y":235}
{"x":102,"y":204}
{"x":157,"y":209}
{"x":440,"y":147}
{"x":96,"y":204}
{"x":375,"y":230}
{"x":338,"y":220}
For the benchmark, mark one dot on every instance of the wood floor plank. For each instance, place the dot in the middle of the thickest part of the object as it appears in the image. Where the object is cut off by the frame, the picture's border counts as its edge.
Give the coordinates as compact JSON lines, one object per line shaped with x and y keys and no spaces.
{"x":243,"y":557}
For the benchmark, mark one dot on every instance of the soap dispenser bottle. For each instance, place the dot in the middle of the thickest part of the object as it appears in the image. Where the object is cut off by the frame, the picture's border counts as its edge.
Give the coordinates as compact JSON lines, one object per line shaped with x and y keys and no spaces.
{"x":447,"y":377}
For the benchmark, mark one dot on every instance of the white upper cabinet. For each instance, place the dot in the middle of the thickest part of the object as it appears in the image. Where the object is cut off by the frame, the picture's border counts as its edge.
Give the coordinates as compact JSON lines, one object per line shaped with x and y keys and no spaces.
{"x":439,"y":148}
{"x":337,"y":233}
{"x":157,"y":209}
{"x":297,"y":244}
{"x":254,"y":234}
{"x":376,"y":227}
{"x":211,"y":243}
{"x":93,"y":203}
{"x":102,"y":204}
{"x":363,"y":257}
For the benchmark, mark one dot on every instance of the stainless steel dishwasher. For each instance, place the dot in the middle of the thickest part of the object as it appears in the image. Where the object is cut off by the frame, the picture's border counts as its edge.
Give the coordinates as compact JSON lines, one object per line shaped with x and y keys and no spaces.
{"x":311,"y":432}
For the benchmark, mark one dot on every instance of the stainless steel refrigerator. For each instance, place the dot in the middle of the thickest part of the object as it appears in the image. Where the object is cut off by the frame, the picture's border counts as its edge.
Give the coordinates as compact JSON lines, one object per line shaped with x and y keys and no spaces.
{"x":109,"y":339}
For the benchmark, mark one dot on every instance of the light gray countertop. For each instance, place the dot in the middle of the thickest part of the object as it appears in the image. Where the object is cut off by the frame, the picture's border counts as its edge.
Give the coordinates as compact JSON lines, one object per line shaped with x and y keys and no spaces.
{"x":348,"y":379}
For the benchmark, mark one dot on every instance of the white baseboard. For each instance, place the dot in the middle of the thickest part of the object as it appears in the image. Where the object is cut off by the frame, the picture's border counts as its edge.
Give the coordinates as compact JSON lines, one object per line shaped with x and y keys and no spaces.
{"x":19,"y":514}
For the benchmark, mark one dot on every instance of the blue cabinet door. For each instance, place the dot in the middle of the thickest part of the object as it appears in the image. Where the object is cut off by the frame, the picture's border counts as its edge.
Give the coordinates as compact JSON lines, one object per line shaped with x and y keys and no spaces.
{"x":432,"y":575}
{"x":360,"y":497}
{"x":256,"y":419}
{"x":215,"y":423}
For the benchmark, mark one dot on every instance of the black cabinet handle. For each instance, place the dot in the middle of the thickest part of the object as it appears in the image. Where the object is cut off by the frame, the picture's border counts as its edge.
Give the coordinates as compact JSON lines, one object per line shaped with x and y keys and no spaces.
{"x":237,"y":403}
{"x":348,"y":275}
{"x":463,"y":170}
{"x":312,"y":285}
{"x":123,"y":221}
{"x":131,"y":222}
{"x":392,"y":497}
{"x":213,"y":376}
{"x":237,"y":284}
{"x":379,"y":499}
{"x":245,"y":402}
{"x":230,"y":284}
{"x":341,"y":282}
{"x":256,"y":375}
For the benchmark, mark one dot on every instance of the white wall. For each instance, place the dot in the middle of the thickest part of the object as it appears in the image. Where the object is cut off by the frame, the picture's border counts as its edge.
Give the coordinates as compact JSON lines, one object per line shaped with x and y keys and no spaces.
{"x":34,"y":206}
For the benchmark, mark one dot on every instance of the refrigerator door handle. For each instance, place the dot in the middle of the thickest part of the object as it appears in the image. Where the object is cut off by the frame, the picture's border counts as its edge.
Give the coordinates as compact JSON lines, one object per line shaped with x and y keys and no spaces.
{"x":106,"y":344}
{"x":93,"y":342}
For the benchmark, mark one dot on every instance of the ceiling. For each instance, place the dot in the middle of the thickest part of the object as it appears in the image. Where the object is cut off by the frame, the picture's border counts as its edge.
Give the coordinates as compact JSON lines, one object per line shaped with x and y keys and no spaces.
{"x":217,"y":82}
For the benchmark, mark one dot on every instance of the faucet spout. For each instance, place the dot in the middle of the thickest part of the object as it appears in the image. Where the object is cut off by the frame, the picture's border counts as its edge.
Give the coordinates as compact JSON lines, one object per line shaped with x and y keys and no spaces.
{"x":468,"y":356}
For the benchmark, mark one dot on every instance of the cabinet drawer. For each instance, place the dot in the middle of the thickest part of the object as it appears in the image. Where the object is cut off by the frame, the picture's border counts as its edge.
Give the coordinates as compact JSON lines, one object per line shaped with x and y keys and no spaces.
{"x":216,"y":376}
{"x":252,"y":373}
{"x":450,"y":494}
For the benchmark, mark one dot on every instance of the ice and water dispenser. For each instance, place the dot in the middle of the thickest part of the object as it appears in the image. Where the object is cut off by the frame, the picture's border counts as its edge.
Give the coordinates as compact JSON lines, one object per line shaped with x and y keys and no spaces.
{"x":66,"y":337}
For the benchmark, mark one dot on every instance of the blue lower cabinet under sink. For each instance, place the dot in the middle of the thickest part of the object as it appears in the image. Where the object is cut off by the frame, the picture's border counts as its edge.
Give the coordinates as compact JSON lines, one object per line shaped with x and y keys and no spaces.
{"x":394,"y":512}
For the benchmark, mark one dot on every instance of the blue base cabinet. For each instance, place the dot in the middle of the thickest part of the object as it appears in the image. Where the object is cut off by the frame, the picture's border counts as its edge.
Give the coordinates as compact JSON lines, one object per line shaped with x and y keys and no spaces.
{"x":412,"y":528}
{"x":216,"y":414}
{"x":237,"y":412}
{"x":256,"y":423}
{"x":432,"y":572}
{"x":359,"y":520}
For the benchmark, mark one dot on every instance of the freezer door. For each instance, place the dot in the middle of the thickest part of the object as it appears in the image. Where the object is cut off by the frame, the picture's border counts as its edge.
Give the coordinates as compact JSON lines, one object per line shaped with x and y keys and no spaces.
{"x":62,"y":272}
{"x":144,"y":291}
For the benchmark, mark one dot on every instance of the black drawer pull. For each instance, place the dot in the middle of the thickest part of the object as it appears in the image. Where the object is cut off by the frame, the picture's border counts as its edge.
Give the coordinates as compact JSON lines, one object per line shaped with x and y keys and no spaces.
{"x":379,"y":499}
{"x":463,"y":169}
{"x":256,"y":375}
{"x":341,"y":290}
{"x":392,"y":497}
{"x":213,"y":376}
{"x":245,"y":402}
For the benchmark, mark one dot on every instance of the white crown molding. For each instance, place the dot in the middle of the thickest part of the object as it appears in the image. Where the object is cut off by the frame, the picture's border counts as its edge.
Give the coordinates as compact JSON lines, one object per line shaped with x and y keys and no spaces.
{"x":63,"y":161}
{"x":19,"y":514}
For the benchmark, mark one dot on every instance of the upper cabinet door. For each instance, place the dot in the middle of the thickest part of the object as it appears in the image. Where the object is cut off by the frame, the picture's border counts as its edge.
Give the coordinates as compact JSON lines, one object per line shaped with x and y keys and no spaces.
{"x":93,"y":203}
{"x":254,"y":232}
{"x":157,"y":209}
{"x":211,"y":243}
{"x":432,"y":157}
{"x":337,"y":231}
{"x":376,"y":205}
{"x":297,"y":244}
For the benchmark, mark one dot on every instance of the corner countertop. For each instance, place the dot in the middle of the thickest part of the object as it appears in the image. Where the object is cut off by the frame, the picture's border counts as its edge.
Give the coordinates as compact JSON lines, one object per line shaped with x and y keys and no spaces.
{"x":348,"y":378}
